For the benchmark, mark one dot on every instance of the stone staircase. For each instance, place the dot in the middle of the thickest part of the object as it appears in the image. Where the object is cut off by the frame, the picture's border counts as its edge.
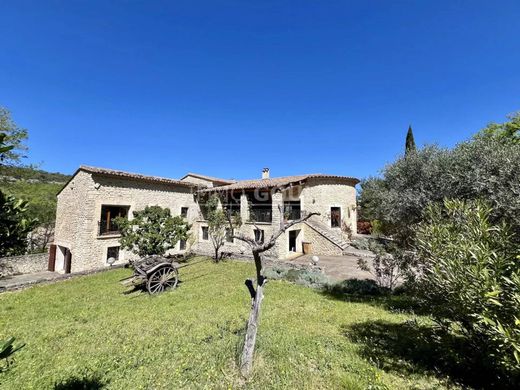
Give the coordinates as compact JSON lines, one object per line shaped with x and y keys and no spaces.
{"x":331,"y":235}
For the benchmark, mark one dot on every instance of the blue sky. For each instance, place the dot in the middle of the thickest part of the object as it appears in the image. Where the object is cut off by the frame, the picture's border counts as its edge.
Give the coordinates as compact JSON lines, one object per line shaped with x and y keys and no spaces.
{"x":228,"y":87}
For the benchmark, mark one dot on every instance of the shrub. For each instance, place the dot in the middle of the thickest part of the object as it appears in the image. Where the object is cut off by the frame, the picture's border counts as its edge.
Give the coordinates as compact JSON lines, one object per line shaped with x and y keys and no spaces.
{"x":15,"y":225}
{"x":364,"y":227}
{"x":389,"y":269}
{"x":302,"y":276}
{"x":469,"y":277}
{"x":152,"y":231}
{"x":390,"y":266}
{"x":354,"y":287}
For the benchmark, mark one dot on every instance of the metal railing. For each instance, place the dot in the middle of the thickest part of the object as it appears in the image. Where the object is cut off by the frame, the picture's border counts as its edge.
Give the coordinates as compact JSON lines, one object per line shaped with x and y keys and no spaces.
{"x":260,"y":215}
{"x":291,"y":214}
{"x":106,"y":228}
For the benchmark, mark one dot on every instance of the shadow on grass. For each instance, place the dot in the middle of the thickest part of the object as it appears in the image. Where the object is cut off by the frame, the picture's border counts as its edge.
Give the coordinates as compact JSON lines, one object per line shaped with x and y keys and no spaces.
{"x":367,"y":291}
{"x":76,"y":383}
{"x":407,"y":348}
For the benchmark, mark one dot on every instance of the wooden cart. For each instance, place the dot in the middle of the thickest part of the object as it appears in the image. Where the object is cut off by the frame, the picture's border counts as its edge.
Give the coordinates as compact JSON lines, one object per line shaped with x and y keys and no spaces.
{"x":156,"y":273}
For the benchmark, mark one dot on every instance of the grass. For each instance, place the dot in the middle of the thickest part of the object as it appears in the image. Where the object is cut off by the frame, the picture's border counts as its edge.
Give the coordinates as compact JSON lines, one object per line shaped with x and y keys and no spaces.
{"x":86,"y":333}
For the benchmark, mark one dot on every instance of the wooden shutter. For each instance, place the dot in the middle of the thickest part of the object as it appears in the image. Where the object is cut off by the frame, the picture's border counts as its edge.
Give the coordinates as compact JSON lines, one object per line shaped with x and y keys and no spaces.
{"x":52,"y":258}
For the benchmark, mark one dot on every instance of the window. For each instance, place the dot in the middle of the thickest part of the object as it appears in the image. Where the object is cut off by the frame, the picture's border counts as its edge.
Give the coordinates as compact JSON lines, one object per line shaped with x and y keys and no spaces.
{"x":259,"y":235}
{"x":335,"y":217}
{"x":205,"y":233}
{"x":260,"y":207}
{"x":112,"y":253}
{"x":231,"y":203}
{"x":292,"y":210}
{"x":182,"y":245}
{"x":229,"y":235}
{"x":184,"y":212}
{"x":108,"y":215}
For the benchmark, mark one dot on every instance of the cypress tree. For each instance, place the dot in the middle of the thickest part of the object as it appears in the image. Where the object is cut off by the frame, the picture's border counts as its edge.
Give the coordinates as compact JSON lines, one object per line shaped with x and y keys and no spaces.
{"x":410,"y":142}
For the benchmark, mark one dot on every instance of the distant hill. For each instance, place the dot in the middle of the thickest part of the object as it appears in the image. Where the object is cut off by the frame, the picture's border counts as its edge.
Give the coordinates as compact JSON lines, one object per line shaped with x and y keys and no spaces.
{"x":36,"y":186}
{"x":31,"y":175}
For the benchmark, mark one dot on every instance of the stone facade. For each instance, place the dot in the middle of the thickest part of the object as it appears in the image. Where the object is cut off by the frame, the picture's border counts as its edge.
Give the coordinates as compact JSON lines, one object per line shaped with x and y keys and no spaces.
{"x":321,"y":245}
{"x":25,"y":264}
{"x":79,"y":210}
{"x":81,"y":201}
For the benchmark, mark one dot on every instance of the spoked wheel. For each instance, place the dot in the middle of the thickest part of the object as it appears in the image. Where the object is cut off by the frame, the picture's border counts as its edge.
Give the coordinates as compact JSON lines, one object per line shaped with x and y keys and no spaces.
{"x":161,"y":279}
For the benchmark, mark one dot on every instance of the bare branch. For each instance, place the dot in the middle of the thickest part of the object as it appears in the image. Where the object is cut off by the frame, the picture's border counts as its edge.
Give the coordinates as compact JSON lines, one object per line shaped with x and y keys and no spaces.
{"x":272,"y":241}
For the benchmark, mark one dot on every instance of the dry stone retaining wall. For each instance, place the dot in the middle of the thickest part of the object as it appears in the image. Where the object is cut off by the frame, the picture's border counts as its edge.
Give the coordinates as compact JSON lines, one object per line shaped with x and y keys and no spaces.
{"x":24,"y":264}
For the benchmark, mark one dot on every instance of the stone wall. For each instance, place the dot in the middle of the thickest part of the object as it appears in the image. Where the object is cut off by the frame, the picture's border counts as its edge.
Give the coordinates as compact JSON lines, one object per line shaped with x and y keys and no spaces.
{"x":319,"y":195}
{"x":24,"y":264}
{"x":321,"y":245}
{"x":80,"y":202}
{"x":237,"y":247}
{"x":79,"y":211}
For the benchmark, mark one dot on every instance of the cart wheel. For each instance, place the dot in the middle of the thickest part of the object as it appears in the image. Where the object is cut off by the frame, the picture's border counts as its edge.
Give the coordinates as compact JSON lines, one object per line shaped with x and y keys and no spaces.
{"x":161,"y":279}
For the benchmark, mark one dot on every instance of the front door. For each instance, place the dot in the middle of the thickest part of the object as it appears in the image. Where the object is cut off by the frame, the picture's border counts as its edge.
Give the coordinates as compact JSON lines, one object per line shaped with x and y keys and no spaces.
{"x":292,"y":240}
{"x":63,"y":260}
{"x":335,"y":217}
{"x":68,"y":262}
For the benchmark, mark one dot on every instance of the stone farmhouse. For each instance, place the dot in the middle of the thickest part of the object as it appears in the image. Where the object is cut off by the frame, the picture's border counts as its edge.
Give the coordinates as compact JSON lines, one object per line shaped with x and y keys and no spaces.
{"x":86,"y":236}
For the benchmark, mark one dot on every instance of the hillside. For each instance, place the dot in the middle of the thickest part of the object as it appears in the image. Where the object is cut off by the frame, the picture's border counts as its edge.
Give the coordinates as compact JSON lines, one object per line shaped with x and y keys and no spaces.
{"x":31,"y":175}
{"x":36,"y":186}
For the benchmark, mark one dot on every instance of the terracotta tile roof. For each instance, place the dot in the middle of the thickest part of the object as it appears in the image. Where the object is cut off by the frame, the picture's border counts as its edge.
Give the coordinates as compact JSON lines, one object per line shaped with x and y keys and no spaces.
{"x":279,"y":182}
{"x":209,"y":178}
{"x":135,"y":176}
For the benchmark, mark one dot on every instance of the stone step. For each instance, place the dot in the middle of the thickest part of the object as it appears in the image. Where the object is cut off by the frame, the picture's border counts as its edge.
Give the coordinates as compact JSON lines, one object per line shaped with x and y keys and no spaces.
{"x":327,"y":233}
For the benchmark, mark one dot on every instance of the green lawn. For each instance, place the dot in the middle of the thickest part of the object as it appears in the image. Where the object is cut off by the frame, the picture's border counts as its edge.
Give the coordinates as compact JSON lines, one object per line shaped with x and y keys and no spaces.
{"x":85,"y":330}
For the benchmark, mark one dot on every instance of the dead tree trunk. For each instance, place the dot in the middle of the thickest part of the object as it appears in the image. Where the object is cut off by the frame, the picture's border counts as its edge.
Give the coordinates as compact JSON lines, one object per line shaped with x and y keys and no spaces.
{"x":246,"y":359}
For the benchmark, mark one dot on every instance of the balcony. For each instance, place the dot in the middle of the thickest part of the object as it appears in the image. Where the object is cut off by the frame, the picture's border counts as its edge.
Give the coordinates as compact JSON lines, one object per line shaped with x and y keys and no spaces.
{"x":107,"y":228}
{"x":261,"y":215}
{"x":292,"y":210}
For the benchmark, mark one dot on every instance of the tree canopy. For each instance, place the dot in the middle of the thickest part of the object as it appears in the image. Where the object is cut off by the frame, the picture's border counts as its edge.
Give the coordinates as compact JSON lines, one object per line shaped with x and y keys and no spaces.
{"x":13,"y":137}
{"x":217,"y":224}
{"x":152,"y":231}
{"x":14,"y":225}
{"x":484,"y":167}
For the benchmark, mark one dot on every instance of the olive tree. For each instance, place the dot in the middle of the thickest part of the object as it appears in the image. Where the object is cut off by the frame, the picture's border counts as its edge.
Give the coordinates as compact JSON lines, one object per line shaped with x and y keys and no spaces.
{"x":484,"y":167}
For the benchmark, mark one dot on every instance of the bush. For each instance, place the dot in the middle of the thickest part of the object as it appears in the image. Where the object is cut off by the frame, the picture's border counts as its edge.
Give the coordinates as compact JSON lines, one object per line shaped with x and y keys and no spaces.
{"x":364,"y":227}
{"x":389,"y":269}
{"x":152,"y":231}
{"x":15,"y":225}
{"x":302,"y":276}
{"x":390,"y":266}
{"x":470,"y":279}
{"x":355,"y":287}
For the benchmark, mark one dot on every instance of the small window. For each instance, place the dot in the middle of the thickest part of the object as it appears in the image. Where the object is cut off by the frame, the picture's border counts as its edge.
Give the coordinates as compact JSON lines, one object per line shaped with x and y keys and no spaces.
{"x":205,"y":233}
{"x":259,"y":235}
{"x":229,"y":235}
{"x":182,"y":245}
{"x":184,"y":212}
{"x":112,"y":253}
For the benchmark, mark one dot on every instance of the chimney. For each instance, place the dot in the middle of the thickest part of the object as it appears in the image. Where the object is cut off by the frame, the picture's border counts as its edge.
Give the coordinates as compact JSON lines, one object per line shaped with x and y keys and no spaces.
{"x":265,"y":173}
